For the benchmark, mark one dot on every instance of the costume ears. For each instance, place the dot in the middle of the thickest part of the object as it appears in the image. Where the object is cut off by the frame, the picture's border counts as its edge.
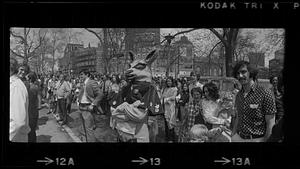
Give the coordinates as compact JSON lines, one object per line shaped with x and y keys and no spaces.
{"x":151,"y":57}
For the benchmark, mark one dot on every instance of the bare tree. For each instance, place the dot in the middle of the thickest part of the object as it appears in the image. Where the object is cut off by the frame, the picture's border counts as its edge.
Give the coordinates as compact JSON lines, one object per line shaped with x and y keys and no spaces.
{"x":58,"y":42}
{"x":229,"y":41}
{"x":42,"y":52}
{"x":113,"y":42}
{"x":116,"y":44}
{"x":27,"y":43}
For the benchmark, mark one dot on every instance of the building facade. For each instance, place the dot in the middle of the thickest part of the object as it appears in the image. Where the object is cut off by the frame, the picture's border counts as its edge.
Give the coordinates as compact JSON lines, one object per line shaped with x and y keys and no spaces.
{"x":141,"y":40}
{"x":177,"y":57}
{"x":209,"y":67}
{"x":85,"y":59}
{"x":213,"y":65}
{"x":77,"y":58}
{"x":276,"y":65}
{"x":257,"y":59}
{"x":67,"y":63}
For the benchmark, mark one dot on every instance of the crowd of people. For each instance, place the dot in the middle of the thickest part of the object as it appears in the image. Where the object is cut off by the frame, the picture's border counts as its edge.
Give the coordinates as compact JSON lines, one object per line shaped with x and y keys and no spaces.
{"x":193,"y":112}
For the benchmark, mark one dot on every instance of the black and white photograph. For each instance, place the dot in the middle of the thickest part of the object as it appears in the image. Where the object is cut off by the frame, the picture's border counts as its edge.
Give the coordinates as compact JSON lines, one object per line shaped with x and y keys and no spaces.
{"x":111,"y":84}
{"x":146,"y":85}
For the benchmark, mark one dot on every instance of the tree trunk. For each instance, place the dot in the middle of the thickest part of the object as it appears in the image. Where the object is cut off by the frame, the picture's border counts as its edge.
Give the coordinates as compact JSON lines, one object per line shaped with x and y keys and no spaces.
{"x":53,"y":60}
{"x":209,"y":65}
{"x":228,"y":60}
{"x":25,"y":61}
{"x":229,"y":41}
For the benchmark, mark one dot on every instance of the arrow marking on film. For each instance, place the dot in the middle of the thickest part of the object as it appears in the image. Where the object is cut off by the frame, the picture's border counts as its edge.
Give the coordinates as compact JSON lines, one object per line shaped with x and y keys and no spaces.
{"x":224,"y":161}
{"x":47,"y":161}
{"x":141,"y":161}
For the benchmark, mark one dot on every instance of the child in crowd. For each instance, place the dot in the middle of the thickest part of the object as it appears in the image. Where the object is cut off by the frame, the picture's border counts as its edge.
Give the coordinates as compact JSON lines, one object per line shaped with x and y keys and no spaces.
{"x":199,"y":134}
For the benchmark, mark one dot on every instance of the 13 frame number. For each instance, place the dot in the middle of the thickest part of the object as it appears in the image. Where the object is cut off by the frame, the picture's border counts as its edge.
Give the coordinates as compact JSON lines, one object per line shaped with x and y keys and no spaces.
{"x":155,"y":161}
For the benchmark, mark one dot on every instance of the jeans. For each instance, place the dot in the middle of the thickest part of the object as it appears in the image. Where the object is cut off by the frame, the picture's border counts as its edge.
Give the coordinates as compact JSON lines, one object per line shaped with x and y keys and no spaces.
{"x":62,"y":109}
{"x":69,"y":103}
{"x":32,"y":134}
{"x":88,"y":124}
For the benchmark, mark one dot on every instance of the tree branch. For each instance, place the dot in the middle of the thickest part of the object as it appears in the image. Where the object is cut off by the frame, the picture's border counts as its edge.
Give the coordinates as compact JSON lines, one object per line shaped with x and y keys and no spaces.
{"x":16,"y":54}
{"x":32,"y":53}
{"x":214,"y":48}
{"x":219,"y":36}
{"x":18,"y":36}
{"x":235,"y":32}
{"x":173,"y":61}
{"x":28,"y":50}
{"x":187,"y":31}
{"x":181,"y":32}
{"x":26,"y":34}
{"x":93,"y":32}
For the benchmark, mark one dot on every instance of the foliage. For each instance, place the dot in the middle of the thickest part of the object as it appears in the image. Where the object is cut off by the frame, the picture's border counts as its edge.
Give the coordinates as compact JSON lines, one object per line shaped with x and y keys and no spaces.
{"x":259,"y":41}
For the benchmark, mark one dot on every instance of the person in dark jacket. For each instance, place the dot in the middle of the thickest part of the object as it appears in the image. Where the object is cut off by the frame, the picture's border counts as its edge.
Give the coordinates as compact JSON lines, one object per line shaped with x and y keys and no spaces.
{"x":277,"y":130}
{"x":89,"y":99}
{"x":34,"y":105}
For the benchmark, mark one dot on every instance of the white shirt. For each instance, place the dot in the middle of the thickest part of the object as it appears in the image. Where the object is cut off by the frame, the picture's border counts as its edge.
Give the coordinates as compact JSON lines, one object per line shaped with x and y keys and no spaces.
{"x":19,"y":124}
{"x":84,"y":99}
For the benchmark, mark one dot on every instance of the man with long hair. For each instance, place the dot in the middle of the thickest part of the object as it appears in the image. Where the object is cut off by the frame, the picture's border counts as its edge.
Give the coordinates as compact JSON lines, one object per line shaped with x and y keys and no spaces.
{"x":255,"y":107}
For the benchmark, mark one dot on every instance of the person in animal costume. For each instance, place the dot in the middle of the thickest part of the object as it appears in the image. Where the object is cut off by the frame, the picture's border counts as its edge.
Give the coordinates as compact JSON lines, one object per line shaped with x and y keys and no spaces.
{"x":137,"y":103}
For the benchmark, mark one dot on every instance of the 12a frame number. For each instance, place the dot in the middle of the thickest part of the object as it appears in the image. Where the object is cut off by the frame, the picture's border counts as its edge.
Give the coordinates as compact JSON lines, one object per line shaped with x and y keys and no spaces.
{"x":64,"y":161}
